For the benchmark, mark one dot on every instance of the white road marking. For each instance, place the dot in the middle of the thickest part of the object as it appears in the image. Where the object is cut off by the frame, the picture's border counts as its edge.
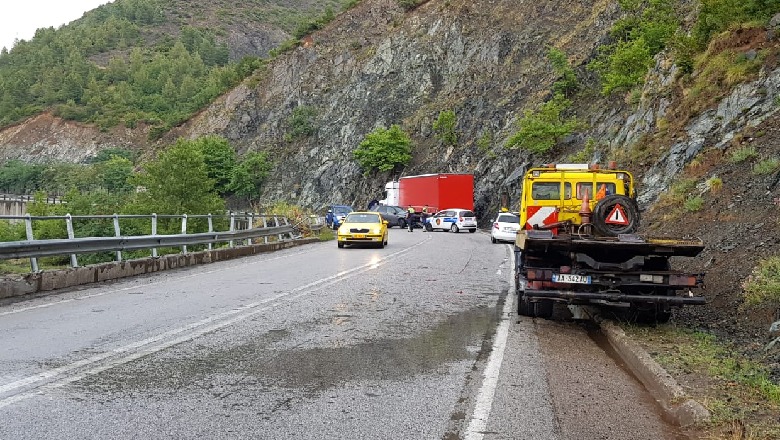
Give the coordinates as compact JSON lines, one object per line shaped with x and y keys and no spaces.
{"x":478,"y":423}
{"x":66,"y":374}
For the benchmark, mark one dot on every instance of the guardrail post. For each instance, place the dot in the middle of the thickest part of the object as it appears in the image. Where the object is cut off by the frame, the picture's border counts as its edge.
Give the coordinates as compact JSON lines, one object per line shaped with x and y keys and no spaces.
{"x":211,"y":228}
{"x":265,"y":225}
{"x":276,"y":223}
{"x":250,"y":225}
{"x":29,"y":230}
{"x":287,"y":223}
{"x":74,"y":262}
{"x":184,"y":231}
{"x":117,"y":234}
{"x":154,"y":232}
{"x":232,"y":226}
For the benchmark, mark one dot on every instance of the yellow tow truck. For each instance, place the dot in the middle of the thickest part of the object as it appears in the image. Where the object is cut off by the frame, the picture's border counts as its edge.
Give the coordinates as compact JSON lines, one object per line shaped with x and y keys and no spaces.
{"x":578,"y":246}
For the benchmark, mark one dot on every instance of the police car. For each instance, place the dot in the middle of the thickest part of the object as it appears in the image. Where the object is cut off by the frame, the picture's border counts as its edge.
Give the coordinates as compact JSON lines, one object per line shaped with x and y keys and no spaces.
{"x":453,"y":219}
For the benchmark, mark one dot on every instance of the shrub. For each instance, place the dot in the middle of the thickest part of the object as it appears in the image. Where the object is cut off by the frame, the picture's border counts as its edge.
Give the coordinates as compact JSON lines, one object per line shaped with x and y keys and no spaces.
{"x":763,"y":285}
{"x":742,"y":154}
{"x":693,"y":204}
{"x":567,"y":79}
{"x":766,"y":166}
{"x":301,"y":123}
{"x":444,"y":128}
{"x":637,"y":38}
{"x":584,"y":155}
{"x":540,"y":130}
{"x":384,"y":149}
{"x":714,"y":183}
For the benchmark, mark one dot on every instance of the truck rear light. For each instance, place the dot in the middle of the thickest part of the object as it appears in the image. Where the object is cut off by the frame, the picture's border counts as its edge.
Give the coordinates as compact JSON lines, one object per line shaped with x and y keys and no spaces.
{"x":682,"y":280}
{"x":648,"y":278}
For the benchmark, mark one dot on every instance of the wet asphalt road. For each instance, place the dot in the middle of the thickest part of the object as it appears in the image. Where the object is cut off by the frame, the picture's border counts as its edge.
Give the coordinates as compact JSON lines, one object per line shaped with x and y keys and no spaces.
{"x":415,"y":341}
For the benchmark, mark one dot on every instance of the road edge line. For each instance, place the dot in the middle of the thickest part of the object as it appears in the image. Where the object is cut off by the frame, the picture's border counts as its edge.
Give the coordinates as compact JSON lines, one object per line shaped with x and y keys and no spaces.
{"x":484,"y":401}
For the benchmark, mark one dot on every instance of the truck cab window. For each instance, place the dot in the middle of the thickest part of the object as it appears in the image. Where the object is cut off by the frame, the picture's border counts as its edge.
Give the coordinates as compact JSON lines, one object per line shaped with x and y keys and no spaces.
{"x":546,"y":190}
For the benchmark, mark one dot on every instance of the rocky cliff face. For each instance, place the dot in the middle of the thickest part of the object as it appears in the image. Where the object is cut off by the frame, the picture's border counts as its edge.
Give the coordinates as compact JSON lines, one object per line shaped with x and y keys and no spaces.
{"x":378,"y":65}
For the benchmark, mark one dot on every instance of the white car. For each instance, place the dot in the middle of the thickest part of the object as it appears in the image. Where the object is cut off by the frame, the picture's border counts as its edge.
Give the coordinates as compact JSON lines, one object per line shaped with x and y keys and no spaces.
{"x":505,"y":227}
{"x":453,"y":219}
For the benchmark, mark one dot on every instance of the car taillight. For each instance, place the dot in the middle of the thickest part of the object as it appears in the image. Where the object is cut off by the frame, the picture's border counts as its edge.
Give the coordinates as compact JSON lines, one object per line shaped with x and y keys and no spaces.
{"x":495,"y":225}
{"x":460,"y":219}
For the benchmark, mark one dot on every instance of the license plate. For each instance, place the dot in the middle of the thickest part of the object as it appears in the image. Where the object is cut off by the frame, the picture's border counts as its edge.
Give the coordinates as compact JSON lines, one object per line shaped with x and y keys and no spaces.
{"x":360,"y":235}
{"x":571,"y":279}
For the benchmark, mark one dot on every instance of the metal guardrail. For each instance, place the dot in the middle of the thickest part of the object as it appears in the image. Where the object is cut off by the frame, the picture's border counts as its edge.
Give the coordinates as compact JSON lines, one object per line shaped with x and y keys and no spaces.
{"x":243,"y":227}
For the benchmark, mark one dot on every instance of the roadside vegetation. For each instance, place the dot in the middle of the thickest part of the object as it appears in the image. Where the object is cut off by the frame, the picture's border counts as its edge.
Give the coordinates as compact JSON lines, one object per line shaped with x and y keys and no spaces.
{"x":739,"y":393}
{"x":190,"y":177}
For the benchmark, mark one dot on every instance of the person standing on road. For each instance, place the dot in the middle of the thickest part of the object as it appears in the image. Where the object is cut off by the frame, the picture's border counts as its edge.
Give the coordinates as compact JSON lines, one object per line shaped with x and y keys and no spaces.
{"x":410,"y":218}
{"x":424,"y":215}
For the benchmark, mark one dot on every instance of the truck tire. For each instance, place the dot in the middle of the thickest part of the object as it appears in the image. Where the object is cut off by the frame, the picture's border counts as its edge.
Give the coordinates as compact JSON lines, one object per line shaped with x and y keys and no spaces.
{"x":541,"y":308}
{"x":606,"y":206}
{"x":650,"y":314}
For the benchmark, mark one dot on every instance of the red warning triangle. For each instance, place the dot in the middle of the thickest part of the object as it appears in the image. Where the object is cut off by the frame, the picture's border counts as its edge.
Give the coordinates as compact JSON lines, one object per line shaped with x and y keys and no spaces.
{"x":617,"y":216}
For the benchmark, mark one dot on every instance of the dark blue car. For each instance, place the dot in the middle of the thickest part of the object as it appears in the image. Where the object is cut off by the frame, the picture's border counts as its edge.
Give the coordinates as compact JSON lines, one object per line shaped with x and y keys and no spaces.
{"x":336,"y":214}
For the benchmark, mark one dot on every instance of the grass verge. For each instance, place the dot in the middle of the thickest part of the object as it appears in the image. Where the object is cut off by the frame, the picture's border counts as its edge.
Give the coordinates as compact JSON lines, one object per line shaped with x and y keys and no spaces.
{"x":740,"y":394}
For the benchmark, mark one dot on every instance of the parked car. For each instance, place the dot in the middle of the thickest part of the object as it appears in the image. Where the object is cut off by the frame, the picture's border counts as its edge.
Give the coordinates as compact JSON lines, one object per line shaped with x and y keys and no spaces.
{"x":363,"y":228}
{"x":395,"y":215}
{"x":505,"y":227}
{"x":453,"y":219}
{"x":336,"y":214}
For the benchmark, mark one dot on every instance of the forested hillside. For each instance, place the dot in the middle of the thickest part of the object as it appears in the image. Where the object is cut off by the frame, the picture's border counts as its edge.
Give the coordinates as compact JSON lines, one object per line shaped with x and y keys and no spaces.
{"x":148,"y":62}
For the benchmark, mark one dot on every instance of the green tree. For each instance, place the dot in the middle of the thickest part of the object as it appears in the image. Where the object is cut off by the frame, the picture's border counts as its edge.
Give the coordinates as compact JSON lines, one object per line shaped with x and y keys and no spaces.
{"x":220,"y":160}
{"x":177,"y":182}
{"x":250,"y":174}
{"x":115,"y":174}
{"x":539,"y":131}
{"x":444,"y":128}
{"x":384,"y":149}
{"x":567,"y":79}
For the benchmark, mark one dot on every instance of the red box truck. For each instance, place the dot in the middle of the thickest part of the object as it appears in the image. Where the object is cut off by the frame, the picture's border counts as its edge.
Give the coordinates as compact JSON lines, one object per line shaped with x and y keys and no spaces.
{"x":438,"y":191}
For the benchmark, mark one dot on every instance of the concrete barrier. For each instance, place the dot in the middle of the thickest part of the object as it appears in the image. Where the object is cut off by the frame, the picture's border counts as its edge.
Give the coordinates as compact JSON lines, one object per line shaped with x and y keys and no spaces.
{"x":661,"y":385}
{"x":20,"y":285}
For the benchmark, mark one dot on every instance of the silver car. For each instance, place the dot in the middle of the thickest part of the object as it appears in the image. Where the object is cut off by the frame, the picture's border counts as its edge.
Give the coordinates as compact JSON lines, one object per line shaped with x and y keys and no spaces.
{"x":505,"y":227}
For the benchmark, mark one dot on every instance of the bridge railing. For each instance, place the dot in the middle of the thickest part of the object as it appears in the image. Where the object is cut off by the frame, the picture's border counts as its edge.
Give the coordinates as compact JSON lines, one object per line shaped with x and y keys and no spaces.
{"x":243,"y":229}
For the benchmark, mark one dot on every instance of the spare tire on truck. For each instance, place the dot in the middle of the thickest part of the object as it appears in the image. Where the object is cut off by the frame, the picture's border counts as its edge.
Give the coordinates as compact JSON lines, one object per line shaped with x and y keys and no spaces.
{"x":616,"y":214}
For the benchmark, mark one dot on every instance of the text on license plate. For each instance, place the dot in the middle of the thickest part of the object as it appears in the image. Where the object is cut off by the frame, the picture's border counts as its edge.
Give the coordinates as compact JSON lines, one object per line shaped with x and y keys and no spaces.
{"x":570,"y":278}
{"x":360,"y":235}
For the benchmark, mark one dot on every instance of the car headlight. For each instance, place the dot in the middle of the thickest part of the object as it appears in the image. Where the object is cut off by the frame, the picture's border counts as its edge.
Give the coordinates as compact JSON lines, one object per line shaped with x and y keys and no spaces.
{"x":377,"y":230}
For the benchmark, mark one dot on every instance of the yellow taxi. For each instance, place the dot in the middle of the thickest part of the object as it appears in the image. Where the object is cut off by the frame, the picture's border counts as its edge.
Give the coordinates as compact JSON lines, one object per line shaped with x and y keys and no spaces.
{"x":363,"y":228}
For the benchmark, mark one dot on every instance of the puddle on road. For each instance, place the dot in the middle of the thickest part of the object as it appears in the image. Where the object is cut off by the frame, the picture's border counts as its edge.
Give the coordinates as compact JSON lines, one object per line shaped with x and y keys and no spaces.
{"x":311,"y":369}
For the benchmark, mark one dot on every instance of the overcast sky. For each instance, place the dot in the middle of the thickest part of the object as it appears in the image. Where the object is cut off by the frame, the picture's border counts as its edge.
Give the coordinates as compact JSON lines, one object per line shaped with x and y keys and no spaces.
{"x":20,"y":18}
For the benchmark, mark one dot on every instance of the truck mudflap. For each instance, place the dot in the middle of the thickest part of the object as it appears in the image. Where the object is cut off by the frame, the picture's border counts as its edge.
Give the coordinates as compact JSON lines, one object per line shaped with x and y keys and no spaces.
{"x":616,"y":297}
